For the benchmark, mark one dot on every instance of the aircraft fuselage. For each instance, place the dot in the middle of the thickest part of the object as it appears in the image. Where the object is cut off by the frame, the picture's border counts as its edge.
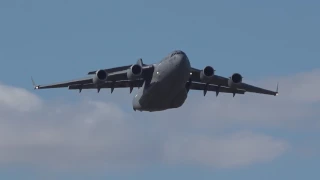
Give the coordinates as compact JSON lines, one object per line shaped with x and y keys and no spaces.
{"x":167,"y":88}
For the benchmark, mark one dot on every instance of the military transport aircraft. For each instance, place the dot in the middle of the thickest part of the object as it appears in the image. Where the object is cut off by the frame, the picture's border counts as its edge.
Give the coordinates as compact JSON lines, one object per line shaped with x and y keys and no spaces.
{"x":161,"y":86}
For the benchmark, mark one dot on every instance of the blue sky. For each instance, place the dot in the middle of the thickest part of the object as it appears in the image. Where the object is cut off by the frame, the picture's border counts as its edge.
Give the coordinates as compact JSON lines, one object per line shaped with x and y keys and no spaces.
{"x":265,"y":41}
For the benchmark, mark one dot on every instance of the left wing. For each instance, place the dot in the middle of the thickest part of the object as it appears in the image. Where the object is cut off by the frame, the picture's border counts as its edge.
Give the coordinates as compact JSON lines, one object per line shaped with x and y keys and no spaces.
{"x":196,"y":75}
{"x":209,"y":87}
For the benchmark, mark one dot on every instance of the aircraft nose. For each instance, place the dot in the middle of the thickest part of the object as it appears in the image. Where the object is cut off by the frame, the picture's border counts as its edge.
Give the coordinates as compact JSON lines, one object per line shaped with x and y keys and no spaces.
{"x":182,"y":59}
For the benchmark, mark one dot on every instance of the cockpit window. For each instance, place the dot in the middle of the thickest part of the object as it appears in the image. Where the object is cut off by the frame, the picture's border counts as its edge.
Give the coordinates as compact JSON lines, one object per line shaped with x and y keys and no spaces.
{"x":177,"y":52}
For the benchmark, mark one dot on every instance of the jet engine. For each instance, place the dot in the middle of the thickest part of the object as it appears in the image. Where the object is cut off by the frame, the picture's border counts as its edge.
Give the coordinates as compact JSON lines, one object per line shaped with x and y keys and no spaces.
{"x":206,"y":74}
{"x":100,"y":77}
{"x":235,"y":80}
{"x":134,"y":72}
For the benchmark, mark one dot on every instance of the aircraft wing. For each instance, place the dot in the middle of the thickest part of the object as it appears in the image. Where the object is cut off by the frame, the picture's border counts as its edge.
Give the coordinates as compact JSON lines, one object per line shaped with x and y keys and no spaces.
{"x":223,"y":81}
{"x":86,"y":80}
{"x":112,"y":70}
{"x":87,"y":83}
{"x":116,"y":76}
{"x":110,"y":84}
{"x":209,"y":87}
{"x":217,"y":80}
{"x":111,"y":75}
{"x":122,"y":68}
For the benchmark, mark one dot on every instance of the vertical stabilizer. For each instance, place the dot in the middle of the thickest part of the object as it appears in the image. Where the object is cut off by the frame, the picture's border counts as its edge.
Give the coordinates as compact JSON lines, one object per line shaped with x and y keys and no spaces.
{"x":140,"y":62}
{"x":277,"y":91}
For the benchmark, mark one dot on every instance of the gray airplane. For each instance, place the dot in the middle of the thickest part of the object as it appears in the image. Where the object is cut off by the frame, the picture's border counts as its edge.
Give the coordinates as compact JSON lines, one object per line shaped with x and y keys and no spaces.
{"x":161,"y":86}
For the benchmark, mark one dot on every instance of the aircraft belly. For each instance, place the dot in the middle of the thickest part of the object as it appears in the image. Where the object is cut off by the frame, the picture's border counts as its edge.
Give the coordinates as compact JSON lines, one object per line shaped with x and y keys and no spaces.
{"x":165,"y":94}
{"x":153,"y":96}
{"x":167,"y":88}
{"x":179,"y":98}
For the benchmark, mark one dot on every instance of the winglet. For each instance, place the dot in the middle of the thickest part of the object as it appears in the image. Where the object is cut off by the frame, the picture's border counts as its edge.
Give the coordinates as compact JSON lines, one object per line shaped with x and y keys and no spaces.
{"x":34,"y":84}
{"x":277,"y":91}
{"x":140,"y":62}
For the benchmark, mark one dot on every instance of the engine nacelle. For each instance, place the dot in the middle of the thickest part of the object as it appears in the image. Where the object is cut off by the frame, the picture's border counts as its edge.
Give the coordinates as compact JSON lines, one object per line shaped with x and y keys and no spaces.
{"x":206,"y":74}
{"x":235,"y":80}
{"x":100,"y":77}
{"x":134,"y":72}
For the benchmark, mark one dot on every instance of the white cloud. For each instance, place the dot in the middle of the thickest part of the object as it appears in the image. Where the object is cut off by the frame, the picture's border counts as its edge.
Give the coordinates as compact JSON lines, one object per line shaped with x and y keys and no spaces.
{"x":234,"y":150}
{"x":302,"y":87}
{"x":18,"y":99}
{"x":94,"y":134}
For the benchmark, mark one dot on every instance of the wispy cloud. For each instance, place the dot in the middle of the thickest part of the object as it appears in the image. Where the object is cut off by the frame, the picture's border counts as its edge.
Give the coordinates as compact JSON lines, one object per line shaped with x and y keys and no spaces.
{"x":209,"y":131}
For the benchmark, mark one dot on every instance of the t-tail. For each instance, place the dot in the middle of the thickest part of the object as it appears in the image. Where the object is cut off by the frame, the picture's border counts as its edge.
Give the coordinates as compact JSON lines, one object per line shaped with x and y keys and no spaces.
{"x":140,"y":62}
{"x":277,"y":90}
{"x":34,"y":84}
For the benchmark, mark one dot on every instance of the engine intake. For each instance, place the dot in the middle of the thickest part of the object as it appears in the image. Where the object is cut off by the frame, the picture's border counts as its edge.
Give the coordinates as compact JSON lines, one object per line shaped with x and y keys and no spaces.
{"x":134,"y":72}
{"x":136,"y":69}
{"x":100,"y":77}
{"x":235,"y":80}
{"x":206,"y":74}
{"x":208,"y":71}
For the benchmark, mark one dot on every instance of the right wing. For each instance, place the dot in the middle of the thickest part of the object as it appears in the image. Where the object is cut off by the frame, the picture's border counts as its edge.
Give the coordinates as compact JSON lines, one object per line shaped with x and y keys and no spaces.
{"x":120,"y":73}
{"x":122,"y":68}
{"x":112,"y":70}
{"x":115,"y":76}
{"x":86,"y":80}
{"x":87,"y":83}
{"x":110,"y":84}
